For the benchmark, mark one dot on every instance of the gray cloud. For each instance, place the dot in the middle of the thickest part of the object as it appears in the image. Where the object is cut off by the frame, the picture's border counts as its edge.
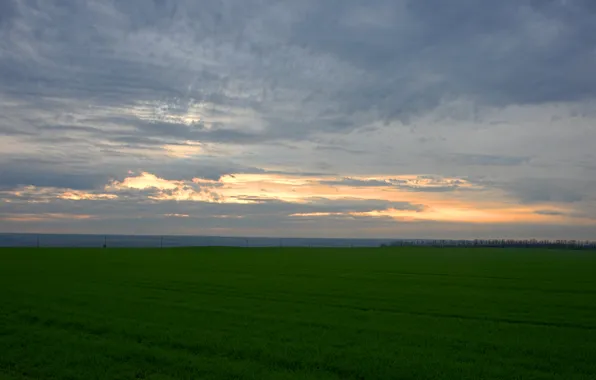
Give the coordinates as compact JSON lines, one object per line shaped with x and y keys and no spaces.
{"x":359,"y":205}
{"x":549,"y":212}
{"x":7,"y":13}
{"x":536,"y":190}
{"x":410,"y":55}
{"x":90,"y":90}
{"x":42,"y":173}
{"x":339,"y":149}
{"x":51,"y":173}
{"x":496,"y":53}
{"x":135,"y":202}
{"x":336,"y":226}
{"x":430,"y":185}
{"x":489,"y":160}
{"x":358,"y":182}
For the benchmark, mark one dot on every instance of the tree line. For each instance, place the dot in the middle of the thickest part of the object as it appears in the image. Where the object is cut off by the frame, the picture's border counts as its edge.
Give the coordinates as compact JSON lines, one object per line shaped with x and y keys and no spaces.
{"x":497,"y":243}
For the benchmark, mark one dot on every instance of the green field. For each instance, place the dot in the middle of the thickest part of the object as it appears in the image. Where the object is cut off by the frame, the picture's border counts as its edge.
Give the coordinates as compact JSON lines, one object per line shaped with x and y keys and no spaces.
{"x":283,"y":313}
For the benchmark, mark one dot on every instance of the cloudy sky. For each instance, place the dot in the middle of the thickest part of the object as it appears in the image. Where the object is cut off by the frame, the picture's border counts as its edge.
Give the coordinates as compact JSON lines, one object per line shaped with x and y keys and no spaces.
{"x":336,"y":118}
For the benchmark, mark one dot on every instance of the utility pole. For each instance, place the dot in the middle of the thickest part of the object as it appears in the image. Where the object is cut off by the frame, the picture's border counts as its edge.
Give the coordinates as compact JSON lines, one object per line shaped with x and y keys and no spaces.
{"x":161,"y":242}
{"x":105,"y":241}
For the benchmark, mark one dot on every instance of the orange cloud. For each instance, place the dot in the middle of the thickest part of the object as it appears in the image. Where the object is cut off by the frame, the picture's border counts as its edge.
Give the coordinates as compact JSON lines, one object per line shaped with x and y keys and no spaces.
{"x":81,"y":195}
{"x":467,"y":202}
{"x":34,"y":194}
{"x":144,"y":181}
{"x":44,"y":217}
{"x":177,"y":190}
{"x":444,"y":199}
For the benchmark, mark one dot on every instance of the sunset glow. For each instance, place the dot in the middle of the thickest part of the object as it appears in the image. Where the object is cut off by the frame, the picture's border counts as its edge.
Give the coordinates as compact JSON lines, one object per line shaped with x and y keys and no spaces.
{"x":298,"y":118}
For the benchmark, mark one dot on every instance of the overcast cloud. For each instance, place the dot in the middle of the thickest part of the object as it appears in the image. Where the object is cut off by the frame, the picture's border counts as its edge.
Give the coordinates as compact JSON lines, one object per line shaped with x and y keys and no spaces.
{"x":378,"y":118}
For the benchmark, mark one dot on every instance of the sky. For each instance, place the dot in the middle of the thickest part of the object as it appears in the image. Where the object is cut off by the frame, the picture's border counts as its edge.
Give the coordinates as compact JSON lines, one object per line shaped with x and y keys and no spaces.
{"x":337,"y":118}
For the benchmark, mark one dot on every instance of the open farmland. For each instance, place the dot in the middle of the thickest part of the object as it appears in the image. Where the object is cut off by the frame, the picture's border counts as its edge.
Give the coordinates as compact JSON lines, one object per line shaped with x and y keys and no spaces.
{"x":297,"y":313}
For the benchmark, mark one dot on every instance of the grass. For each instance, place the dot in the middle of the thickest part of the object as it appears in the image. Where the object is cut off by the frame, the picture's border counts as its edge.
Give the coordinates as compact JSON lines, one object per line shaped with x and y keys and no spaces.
{"x":284,"y":313}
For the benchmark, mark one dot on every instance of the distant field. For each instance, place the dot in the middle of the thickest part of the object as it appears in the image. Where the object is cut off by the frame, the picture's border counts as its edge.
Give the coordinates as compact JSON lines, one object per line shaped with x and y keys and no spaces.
{"x":287,"y":313}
